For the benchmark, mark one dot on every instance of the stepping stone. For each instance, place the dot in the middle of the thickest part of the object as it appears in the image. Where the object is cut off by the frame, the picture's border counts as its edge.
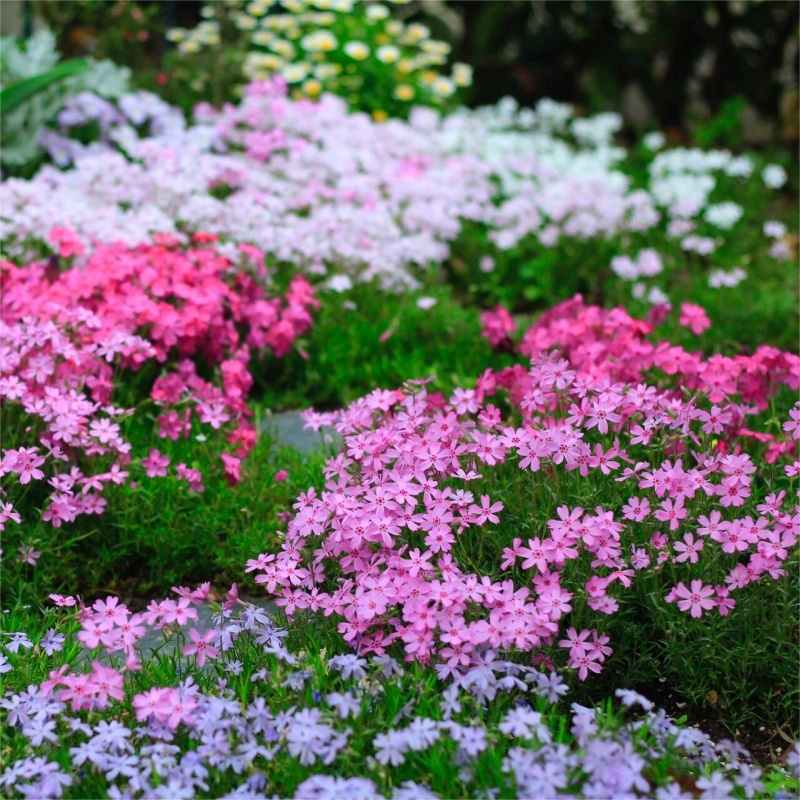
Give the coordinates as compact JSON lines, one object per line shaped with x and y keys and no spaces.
{"x":288,"y":429}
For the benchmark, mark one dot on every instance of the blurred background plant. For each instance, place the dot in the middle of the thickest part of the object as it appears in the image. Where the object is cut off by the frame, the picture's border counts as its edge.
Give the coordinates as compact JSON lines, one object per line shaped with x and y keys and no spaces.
{"x":667,"y":64}
{"x":21,"y":127}
{"x":360,"y":51}
{"x":672,"y":65}
{"x":130,"y":33}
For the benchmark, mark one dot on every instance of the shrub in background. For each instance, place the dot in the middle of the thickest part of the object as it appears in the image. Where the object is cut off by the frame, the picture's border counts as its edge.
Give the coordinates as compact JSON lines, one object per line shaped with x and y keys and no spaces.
{"x":359,"y":51}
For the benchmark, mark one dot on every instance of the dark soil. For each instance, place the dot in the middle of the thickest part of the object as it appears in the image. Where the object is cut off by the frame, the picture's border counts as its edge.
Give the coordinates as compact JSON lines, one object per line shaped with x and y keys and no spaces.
{"x":767,"y":745}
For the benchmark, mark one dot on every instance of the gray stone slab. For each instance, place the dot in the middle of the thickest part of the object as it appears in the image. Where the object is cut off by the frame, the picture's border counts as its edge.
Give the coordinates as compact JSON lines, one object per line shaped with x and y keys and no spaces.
{"x":288,"y":429}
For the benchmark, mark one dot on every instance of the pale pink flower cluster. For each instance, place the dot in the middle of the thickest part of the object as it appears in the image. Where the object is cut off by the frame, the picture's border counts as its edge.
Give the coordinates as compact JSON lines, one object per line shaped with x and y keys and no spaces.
{"x":389,"y":544}
{"x":330,"y":191}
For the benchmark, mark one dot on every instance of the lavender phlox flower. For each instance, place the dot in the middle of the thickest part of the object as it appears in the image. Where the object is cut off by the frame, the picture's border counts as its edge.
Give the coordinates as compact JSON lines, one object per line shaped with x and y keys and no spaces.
{"x":50,"y":782}
{"x":617,"y":766}
{"x":50,"y":785}
{"x":540,"y":773}
{"x":175,"y":788}
{"x":253,"y":615}
{"x":405,"y":711}
{"x":116,"y":793}
{"x":422,"y":733}
{"x":251,"y":748}
{"x":297,"y":680}
{"x":227,"y":636}
{"x":329,"y":751}
{"x":715,"y":786}
{"x":391,"y":747}
{"x":193,"y":766}
{"x":550,"y":686}
{"x":450,"y":704}
{"x":328,"y":787}
{"x":748,"y":779}
{"x":481,"y":682}
{"x":630,"y":698}
{"x":254,"y":786}
{"x":409,"y":790}
{"x":18,"y":639}
{"x":672,"y":791}
{"x":471,"y":739}
{"x":691,"y":739}
{"x":584,"y":723}
{"x":162,"y":757}
{"x":349,"y":665}
{"x":60,"y":148}
{"x":259,"y":715}
{"x":52,"y":642}
{"x":113,"y":736}
{"x":121,"y":765}
{"x":39,"y":729}
{"x":389,"y":666}
{"x":306,"y":734}
{"x":17,"y":708}
{"x":509,"y":682}
{"x":793,"y":759}
{"x":346,"y":704}
{"x":525,"y":723}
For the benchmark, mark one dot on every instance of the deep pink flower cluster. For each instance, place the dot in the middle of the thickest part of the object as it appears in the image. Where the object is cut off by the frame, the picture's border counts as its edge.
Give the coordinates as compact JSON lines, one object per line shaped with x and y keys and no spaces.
{"x":66,"y":335}
{"x":611,"y":344}
{"x":391,"y":545}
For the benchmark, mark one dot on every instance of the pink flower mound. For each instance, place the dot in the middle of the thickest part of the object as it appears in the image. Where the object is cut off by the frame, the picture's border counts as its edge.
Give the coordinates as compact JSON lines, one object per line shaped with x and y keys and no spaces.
{"x":609,"y":343}
{"x":393,"y":543}
{"x":66,"y":335}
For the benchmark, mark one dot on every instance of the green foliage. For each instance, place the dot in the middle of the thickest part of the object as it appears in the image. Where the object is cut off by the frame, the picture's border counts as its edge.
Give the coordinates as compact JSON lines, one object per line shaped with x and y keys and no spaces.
{"x":12,"y":97}
{"x":724,"y":129}
{"x":153,"y":533}
{"x":35,"y":88}
{"x":371,"y":339}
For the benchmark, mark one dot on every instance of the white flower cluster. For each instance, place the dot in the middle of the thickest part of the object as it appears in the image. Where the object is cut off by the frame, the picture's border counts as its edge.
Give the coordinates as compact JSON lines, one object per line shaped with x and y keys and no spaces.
{"x":647,"y":265}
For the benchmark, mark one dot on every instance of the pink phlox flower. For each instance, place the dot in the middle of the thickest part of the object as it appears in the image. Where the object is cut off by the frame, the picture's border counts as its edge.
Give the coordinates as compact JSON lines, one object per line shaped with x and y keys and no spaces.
{"x":688,"y":549}
{"x":636,"y":510}
{"x":201,"y":645}
{"x":156,"y":464}
{"x":28,"y":555}
{"x":694,"y":317}
{"x":792,"y":425}
{"x":695,"y":600}
{"x":672,"y":512}
{"x":487,"y":511}
{"x":109,"y":613}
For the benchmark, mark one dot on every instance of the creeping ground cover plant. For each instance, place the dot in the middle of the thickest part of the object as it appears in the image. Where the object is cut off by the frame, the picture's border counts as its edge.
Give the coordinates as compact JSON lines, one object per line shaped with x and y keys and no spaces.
{"x":160,"y":315}
{"x":247,"y":708}
{"x":527,"y":576}
{"x":635,"y":474}
{"x":515,"y":205}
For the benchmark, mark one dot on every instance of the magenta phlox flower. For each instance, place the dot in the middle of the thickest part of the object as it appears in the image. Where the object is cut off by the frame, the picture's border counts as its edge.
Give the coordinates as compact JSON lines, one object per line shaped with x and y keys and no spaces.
{"x":486,"y":512}
{"x":694,"y":317}
{"x":156,"y":464}
{"x":695,"y":600}
{"x":672,"y":511}
{"x":201,"y":645}
{"x":688,"y":549}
